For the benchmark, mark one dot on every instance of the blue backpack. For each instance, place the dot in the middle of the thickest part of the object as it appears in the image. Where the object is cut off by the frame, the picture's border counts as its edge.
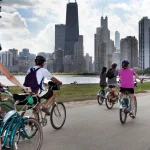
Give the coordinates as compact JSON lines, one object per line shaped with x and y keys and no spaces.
{"x":31,"y":80}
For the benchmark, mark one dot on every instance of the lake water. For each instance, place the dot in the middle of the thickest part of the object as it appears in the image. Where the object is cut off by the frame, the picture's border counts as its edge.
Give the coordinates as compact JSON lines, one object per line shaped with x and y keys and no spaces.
{"x":66,"y":79}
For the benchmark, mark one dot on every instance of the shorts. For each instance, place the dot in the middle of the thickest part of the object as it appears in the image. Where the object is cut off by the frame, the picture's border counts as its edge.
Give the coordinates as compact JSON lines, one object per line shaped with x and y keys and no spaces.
{"x":130,"y":90}
{"x":48,"y":94}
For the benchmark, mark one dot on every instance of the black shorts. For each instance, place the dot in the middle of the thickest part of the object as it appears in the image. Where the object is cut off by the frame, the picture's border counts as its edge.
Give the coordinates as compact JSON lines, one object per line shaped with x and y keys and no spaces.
{"x":130,"y":90}
{"x":48,"y":95}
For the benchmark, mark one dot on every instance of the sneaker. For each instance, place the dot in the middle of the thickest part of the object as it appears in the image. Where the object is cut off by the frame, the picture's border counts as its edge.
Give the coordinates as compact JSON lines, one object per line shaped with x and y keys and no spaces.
{"x":45,"y":110}
{"x":132,"y":114}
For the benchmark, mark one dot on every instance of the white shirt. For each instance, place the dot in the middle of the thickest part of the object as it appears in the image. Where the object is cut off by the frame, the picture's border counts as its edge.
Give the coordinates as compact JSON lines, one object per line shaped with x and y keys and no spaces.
{"x":40,"y":75}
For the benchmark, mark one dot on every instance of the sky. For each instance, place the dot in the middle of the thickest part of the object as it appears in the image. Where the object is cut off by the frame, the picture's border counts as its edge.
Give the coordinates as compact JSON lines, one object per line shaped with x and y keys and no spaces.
{"x":31,"y":23}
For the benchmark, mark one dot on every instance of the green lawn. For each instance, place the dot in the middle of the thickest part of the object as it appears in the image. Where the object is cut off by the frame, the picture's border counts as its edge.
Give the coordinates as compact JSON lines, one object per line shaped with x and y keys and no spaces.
{"x":80,"y":92}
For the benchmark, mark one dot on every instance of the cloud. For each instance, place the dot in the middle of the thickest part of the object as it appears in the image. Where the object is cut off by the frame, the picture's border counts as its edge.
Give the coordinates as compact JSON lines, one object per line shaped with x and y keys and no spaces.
{"x":13,"y":26}
{"x":12,"y":5}
{"x":122,"y":6}
{"x":32,"y":19}
{"x":44,"y":41}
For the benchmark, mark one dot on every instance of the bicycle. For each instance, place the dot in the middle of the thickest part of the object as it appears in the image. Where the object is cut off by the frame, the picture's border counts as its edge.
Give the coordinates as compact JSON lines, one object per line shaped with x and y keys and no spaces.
{"x":101,"y":96}
{"x":109,"y":96}
{"x":125,"y":105}
{"x":17,"y":132}
{"x":57,"y":109}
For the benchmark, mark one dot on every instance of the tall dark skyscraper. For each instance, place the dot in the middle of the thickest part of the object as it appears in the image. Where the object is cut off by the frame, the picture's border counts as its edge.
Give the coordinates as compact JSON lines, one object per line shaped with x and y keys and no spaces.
{"x":72,"y":28}
{"x":59,"y":36}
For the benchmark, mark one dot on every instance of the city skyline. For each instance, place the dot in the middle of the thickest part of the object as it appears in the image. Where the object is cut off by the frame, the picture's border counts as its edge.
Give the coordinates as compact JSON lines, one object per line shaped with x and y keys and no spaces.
{"x":30,"y":29}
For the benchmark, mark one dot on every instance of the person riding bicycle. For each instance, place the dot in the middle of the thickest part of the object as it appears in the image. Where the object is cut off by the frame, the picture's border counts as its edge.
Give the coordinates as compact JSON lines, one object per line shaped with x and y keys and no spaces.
{"x":112,"y":81}
{"x":103,"y":82}
{"x":126,"y":76}
{"x":41,"y":74}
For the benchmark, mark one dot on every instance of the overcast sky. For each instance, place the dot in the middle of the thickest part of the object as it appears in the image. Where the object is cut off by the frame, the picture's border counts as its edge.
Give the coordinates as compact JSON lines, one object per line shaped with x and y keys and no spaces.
{"x":31,"y":23}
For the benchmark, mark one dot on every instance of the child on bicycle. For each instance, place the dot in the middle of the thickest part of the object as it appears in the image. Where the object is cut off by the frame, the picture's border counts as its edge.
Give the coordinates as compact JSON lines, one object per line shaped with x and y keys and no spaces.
{"x":126,"y":76}
{"x":103,"y":82}
{"x":112,"y":74}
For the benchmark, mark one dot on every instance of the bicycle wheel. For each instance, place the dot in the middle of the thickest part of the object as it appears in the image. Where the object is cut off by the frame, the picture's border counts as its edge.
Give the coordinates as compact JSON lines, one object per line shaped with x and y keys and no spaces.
{"x":123,"y":115}
{"x":109,"y":104}
{"x":100,"y":98}
{"x":135,"y":105}
{"x":20,"y":140}
{"x":58,"y":115}
{"x":5,"y":129}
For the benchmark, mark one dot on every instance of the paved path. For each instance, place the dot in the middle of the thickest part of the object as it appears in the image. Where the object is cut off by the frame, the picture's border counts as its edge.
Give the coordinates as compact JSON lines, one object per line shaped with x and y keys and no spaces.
{"x":94,"y":127}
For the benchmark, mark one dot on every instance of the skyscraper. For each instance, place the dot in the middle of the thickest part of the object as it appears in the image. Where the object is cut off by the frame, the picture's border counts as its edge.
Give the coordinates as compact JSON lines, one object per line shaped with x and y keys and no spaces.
{"x":15,"y":55}
{"x":72,"y":28}
{"x":129,"y":50}
{"x":144,"y":43}
{"x":117,"y":40}
{"x":78,"y":55}
{"x":25,"y":52}
{"x":104,"y":46}
{"x":59,"y":36}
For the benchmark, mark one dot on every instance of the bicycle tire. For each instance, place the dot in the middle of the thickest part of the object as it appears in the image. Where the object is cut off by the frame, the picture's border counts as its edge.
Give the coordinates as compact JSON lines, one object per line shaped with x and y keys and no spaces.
{"x":58,"y":115}
{"x":122,"y":120}
{"x":23,"y":146}
{"x":99,"y":99}
{"x":107,"y":104}
{"x":135,"y":103}
{"x":6,"y":146}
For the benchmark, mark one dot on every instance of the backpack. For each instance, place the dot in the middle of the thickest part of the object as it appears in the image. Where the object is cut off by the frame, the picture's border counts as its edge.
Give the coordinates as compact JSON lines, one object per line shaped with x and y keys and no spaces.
{"x":31,"y":80}
{"x":110,"y":73}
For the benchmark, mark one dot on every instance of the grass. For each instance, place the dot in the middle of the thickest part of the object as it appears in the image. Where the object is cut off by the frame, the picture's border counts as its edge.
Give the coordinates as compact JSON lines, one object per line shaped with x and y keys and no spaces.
{"x":81,"y":92}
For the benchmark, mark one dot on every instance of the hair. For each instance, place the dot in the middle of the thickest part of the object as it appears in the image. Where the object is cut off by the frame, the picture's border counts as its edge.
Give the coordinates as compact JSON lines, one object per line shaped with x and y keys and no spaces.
{"x":103,"y":70}
{"x":114,"y":65}
{"x":39,"y":60}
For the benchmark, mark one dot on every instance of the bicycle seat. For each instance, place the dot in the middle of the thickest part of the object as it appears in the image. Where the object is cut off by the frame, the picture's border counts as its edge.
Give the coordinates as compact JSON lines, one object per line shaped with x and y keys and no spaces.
{"x":125,"y":92}
{"x":22,"y":98}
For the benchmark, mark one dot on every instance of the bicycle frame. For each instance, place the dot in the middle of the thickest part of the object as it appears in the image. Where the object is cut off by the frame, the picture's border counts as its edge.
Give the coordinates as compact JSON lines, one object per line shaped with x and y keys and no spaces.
{"x":14,"y":120}
{"x":38,"y":110}
{"x":122,"y":100}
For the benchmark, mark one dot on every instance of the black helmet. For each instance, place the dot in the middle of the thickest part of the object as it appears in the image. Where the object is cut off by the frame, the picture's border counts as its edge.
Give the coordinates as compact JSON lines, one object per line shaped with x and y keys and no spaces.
{"x":114,"y":65}
{"x":39,"y":60}
{"x":125,"y":63}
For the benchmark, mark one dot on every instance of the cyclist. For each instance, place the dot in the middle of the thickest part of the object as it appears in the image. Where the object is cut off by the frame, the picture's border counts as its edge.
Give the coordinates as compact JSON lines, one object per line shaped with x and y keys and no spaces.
{"x":112,"y":81}
{"x":103,"y":82}
{"x":41,"y":74}
{"x":126,"y":76}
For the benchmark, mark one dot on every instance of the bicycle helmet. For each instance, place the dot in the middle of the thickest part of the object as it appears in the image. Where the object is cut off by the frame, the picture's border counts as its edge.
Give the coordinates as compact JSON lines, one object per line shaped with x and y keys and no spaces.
{"x":39,"y":60}
{"x":114,"y":65}
{"x":125,"y":64}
